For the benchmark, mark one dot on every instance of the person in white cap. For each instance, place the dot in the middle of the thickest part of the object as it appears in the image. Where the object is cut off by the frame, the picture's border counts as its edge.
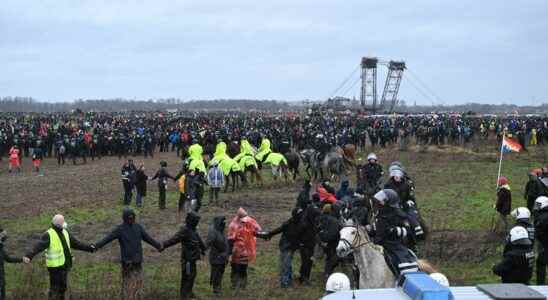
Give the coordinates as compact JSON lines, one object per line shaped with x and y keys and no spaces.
{"x":57,"y":242}
{"x":372,"y":173}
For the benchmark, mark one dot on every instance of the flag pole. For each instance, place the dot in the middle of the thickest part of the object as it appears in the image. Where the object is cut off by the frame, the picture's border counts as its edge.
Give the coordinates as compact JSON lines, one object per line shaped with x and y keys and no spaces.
{"x":500,"y":160}
{"x":493,"y":218}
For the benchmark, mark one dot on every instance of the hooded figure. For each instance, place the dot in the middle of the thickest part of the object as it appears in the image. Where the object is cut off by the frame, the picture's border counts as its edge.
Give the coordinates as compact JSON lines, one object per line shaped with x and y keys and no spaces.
{"x":4,"y":257}
{"x":130,"y":235}
{"x":242,"y":239}
{"x":219,"y":251}
{"x":196,"y":161}
{"x":534,"y":188}
{"x":220,"y":153}
{"x":192,"y":248}
{"x":264,"y":150}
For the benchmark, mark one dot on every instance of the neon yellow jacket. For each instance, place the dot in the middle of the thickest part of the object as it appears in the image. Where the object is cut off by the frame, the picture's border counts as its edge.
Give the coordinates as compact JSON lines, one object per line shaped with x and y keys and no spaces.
{"x":220,"y":153}
{"x":228,"y":164}
{"x":196,"y":162}
{"x":264,"y":149}
{"x":275,"y":159}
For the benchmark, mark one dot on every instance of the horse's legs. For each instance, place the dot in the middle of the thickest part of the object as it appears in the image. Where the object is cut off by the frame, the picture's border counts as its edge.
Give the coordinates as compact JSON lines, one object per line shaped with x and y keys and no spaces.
{"x":258,"y":175}
{"x":227,"y":183}
{"x":234,"y":179}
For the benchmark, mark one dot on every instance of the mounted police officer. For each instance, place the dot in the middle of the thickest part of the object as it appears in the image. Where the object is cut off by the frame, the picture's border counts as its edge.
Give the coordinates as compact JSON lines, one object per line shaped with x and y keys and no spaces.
{"x":390,"y":230}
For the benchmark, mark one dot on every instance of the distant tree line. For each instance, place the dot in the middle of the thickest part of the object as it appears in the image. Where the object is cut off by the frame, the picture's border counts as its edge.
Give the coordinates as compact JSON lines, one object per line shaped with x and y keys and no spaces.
{"x":28,"y":104}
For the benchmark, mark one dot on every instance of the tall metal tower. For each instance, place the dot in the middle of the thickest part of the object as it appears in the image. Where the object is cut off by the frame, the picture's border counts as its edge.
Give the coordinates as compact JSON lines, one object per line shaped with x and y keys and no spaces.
{"x":369,"y":82}
{"x":392,"y":85}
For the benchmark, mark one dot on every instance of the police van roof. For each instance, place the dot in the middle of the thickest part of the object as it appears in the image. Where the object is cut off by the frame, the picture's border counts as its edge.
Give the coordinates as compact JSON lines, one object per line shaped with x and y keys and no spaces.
{"x":459,"y":293}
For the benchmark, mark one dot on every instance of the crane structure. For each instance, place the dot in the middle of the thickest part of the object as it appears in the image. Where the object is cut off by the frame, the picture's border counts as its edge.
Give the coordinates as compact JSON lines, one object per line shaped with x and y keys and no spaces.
{"x":369,"y":81}
{"x":368,"y":95}
{"x":392,"y":85}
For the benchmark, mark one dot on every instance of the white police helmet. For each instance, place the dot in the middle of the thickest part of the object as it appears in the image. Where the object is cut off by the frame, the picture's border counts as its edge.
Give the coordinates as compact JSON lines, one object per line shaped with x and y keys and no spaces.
{"x":337,"y":282}
{"x":541,"y":203}
{"x":371,"y":156}
{"x":519,"y":236}
{"x":440,"y":278}
{"x":521,"y":213}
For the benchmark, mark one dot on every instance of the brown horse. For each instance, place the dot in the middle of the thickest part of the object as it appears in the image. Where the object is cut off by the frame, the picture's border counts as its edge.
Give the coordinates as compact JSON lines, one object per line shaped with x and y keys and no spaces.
{"x":348,"y":153}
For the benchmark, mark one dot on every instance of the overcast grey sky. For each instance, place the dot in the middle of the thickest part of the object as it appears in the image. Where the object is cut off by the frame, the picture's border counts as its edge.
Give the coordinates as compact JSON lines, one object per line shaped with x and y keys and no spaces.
{"x":484,"y":51}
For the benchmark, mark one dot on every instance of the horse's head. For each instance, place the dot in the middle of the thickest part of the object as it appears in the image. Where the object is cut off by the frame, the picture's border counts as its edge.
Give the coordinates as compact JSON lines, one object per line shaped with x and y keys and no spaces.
{"x":305,"y":154}
{"x":349,"y":240}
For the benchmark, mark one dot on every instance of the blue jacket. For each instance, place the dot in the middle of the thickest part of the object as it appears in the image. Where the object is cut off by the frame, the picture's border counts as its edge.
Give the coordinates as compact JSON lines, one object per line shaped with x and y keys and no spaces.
{"x":215,"y":177}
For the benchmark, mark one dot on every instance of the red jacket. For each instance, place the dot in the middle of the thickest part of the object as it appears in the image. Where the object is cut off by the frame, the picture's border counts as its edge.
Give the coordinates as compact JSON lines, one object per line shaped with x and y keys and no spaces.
{"x":326,"y":196}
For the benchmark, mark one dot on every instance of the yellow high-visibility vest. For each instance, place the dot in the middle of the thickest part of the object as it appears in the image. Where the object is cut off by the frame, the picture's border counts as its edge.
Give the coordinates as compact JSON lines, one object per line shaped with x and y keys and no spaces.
{"x":55,"y":257}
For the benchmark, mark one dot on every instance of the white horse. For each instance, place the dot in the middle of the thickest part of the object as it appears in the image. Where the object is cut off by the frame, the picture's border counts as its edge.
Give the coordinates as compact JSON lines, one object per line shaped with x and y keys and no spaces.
{"x":374,"y":272}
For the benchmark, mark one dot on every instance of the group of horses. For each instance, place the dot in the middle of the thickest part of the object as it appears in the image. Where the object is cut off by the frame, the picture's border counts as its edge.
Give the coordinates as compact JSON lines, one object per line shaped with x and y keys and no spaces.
{"x":335,"y":164}
{"x":368,"y":260}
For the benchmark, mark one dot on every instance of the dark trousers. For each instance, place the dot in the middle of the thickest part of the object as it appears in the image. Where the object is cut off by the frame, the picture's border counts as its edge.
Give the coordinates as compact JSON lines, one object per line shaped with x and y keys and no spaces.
{"x":162,"y":196}
{"x":60,"y":159}
{"x":331,"y":259}
{"x":306,"y":263}
{"x":214,"y":195}
{"x":238,"y":276}
{"x":127,"y":192}
{"x":132,"y":281}
{"x":2,"y":291}
{"x":542,"y":260}
{"x":188,"y":275}
{"x":58,"y":279}
{"x":216,"y":278}
{"x":286,"y":270}
{"x":182,"y":199}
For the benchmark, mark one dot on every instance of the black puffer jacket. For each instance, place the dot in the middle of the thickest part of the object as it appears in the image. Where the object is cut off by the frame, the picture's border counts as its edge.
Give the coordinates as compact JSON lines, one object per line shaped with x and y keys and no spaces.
{"x":541,"y":233}
{"x":404,"y":191}
{"x":309,"y":223}
{"x":129,"y":235}
{"x":291,"y":231}
{"x":516,"y":265}
{"x":391,"y":227}
{"x":192,"y":244}
{"x":217,"y":242}
{"x":328,"y":229}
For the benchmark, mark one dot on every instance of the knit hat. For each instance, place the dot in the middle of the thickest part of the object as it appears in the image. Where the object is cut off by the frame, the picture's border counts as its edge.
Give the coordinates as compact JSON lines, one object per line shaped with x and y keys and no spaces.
{"x":503,"y":181}
{"x":241,"y":213}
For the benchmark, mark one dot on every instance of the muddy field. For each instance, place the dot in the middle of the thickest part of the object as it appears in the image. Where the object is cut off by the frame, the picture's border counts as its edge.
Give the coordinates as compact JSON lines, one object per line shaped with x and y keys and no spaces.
{"x":455,"y":191}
